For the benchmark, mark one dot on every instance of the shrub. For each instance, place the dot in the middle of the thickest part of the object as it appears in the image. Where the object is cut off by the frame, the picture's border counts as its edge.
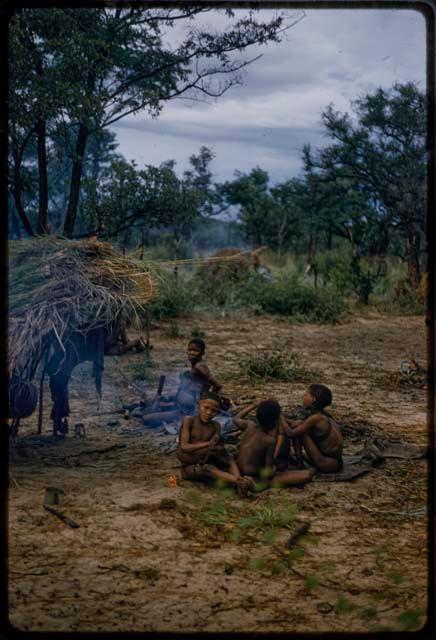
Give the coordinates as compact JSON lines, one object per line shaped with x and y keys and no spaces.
{"x":142,"y":370}
{"x":270,"y":366}
{"x":175,"y":297}
{"x":286,"y":296}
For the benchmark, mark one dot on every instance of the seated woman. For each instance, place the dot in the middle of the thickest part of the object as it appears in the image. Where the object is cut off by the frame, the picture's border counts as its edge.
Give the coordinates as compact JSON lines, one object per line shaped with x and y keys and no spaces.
{"x":319,"y":434}
{"x":193,"y":384}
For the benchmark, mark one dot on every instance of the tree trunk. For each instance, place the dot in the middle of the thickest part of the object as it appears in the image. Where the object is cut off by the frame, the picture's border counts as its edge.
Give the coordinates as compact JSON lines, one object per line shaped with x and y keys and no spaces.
{"x":19,"y":205}
{"x":413,"y":244}
{"x":15,"y":223}
{"x":76,"y":176}
{"x":43,"y":183}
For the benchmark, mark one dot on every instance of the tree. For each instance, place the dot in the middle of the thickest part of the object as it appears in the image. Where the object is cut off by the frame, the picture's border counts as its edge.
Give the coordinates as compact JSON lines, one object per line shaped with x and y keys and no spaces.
{"x":100,"y":65}
{"x":250,"y":192}
{"x":382,"y":154}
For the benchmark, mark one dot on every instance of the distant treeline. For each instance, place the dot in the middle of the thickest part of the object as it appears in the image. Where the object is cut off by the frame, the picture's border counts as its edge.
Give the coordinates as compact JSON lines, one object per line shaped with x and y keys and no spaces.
{"x":365,"y":190}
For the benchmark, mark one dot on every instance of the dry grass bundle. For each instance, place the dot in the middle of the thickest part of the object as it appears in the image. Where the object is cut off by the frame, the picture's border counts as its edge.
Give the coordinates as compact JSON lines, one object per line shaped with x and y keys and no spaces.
{"x":57,"y":286}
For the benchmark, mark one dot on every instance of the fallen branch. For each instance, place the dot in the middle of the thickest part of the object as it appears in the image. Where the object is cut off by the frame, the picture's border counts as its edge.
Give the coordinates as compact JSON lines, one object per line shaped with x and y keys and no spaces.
{"x":417,"y":512}
{"x":299,"y":531}
{"x":62,"y":516}
{"x":103,"y":450}
{"x":142,"y":393}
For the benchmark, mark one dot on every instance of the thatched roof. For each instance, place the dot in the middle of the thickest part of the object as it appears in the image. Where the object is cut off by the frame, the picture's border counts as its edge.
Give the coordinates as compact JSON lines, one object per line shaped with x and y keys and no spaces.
{"x":57,"y":286}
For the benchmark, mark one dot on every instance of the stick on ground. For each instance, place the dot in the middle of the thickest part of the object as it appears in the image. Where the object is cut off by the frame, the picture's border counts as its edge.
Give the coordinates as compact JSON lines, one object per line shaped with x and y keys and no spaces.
{"x":298,"y":531}
{"x":62,"y":516}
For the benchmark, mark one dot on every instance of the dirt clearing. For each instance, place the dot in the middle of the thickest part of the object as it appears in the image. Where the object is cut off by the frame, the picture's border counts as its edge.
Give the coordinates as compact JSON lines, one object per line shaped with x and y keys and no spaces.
{"x":203,"y":559}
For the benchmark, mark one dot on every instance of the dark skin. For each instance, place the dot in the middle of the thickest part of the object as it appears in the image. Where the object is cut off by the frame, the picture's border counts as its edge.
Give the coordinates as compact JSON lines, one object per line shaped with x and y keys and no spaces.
{"x":256,"y":456}
{"x":326,"y":455}
{"x":284,"y":447}
{"x":183,"y":396}
{"x":199,"y":435}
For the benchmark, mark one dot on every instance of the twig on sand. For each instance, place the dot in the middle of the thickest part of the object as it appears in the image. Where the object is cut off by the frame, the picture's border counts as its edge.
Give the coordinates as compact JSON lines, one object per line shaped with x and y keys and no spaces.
{"x":62,"y":516}
{"x":11,"y":477}
{"x":298,"y":531}
{"x":414,"y":513}
{"x":102,"y":450}
{"x":21,"y":574}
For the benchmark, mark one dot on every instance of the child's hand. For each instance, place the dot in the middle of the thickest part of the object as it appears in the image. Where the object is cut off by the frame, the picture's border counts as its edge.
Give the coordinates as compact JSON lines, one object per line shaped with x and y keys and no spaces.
{"x":214,"y":440}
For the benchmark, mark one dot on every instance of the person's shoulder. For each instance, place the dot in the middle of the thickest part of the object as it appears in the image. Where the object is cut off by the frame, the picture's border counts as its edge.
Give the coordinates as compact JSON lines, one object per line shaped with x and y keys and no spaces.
{"x":201,"y":366}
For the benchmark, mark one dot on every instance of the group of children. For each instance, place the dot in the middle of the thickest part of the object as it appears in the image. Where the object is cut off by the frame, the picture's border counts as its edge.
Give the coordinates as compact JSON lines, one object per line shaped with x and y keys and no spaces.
{"x":273,"y":450}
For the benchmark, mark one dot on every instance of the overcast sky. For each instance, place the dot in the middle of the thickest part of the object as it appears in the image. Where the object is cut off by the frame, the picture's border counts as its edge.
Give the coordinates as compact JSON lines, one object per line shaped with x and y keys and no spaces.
{"x":330,"y":56}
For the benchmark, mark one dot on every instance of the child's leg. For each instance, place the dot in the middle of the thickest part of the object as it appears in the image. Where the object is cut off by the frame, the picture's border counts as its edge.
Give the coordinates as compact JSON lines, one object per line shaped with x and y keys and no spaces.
{"x":323,"y":463}
{"x":298,"y":450}
{"x":211,"y":471}
{"x":292,"y":478}
{"x":155,"y":419}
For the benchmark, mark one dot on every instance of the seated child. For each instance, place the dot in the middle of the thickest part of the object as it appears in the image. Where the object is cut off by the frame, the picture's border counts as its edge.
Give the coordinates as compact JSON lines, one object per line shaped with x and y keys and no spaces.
{"x":319,"y":434}
{"x":256,"y":456}
{"x":201,"y":451}
{"x":192,"y":384}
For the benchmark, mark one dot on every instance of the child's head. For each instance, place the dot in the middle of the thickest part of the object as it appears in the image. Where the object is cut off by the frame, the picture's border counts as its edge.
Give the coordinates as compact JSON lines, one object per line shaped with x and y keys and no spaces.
{"x":317,"y":396}
{"x":196,"y":349}
{"x":268,"y":414}
{"x":209,"y":406}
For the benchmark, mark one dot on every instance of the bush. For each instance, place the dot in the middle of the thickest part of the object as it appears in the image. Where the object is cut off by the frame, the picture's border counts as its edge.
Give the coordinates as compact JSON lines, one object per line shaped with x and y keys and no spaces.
{"x":175,"y":297}
{"x":286,"y":296}
{"x":270,"y":366}
{"x":336,"y":270}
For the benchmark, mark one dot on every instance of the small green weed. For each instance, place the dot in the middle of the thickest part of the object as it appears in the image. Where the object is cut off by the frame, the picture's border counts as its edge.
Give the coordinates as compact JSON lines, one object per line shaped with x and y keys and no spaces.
{"x":343,"y":606}
{"x":295,"y":554}
{"x":142,"y":370}
{"x":262,"y":366}
{"x":368,"y":613}
{"x":257,"y":564}
{"x":312,"y":581}
{"x":268,"y":517}
{"x":196,"y":332}
{"x":411,"y":619}
{"x":173,"y":330}
{"x":395,"y":577}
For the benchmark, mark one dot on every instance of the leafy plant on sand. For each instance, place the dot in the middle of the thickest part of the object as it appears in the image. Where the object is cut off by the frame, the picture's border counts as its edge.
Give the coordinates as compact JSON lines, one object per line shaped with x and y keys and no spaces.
{"x":143,"y":370}
{"x":266,"y":365}
{"x":230,"y":521}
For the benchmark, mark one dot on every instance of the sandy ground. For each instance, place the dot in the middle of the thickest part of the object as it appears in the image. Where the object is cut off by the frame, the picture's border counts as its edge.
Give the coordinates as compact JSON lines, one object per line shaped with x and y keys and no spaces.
{"x":133,"y":565}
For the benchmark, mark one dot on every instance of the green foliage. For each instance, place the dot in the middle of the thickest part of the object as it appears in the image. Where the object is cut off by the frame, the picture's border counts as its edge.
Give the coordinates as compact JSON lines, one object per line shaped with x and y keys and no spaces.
{"x":175,"y":297}
{"x":286,"y":296}
{"x":368,"y":613}
{"x":395,"y":577}
{"x":261,"y":366}
{"x":196,"y":332}
{"x":343,"y":606}
{"x":269,"y":516}
{"x":215,"y":514}
{"x":295,"y":554}
{"x":312,"y":581}
{"x":143,"y":370}
{"x":270,"y":536}
{"x":411,"y":620}
{"x":173,"y":330}
{"x":257,"y":564}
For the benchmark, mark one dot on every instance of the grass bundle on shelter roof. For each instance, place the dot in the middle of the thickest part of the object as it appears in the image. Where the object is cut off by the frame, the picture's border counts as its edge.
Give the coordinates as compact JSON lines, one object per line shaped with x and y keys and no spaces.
{"x":57,"y":286}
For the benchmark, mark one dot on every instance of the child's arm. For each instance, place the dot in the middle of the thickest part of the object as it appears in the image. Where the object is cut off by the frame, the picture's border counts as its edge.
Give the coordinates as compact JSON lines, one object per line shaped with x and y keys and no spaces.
{"x":300,"y":428}
{"x":203,"y":370}
{"x":238,"y":418}
{"x":184,"y":442}
{"x":281,"y":437}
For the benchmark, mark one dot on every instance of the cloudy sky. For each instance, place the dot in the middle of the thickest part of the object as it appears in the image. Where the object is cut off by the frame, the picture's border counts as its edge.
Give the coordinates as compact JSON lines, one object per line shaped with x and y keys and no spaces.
{"x":330,"y":56}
